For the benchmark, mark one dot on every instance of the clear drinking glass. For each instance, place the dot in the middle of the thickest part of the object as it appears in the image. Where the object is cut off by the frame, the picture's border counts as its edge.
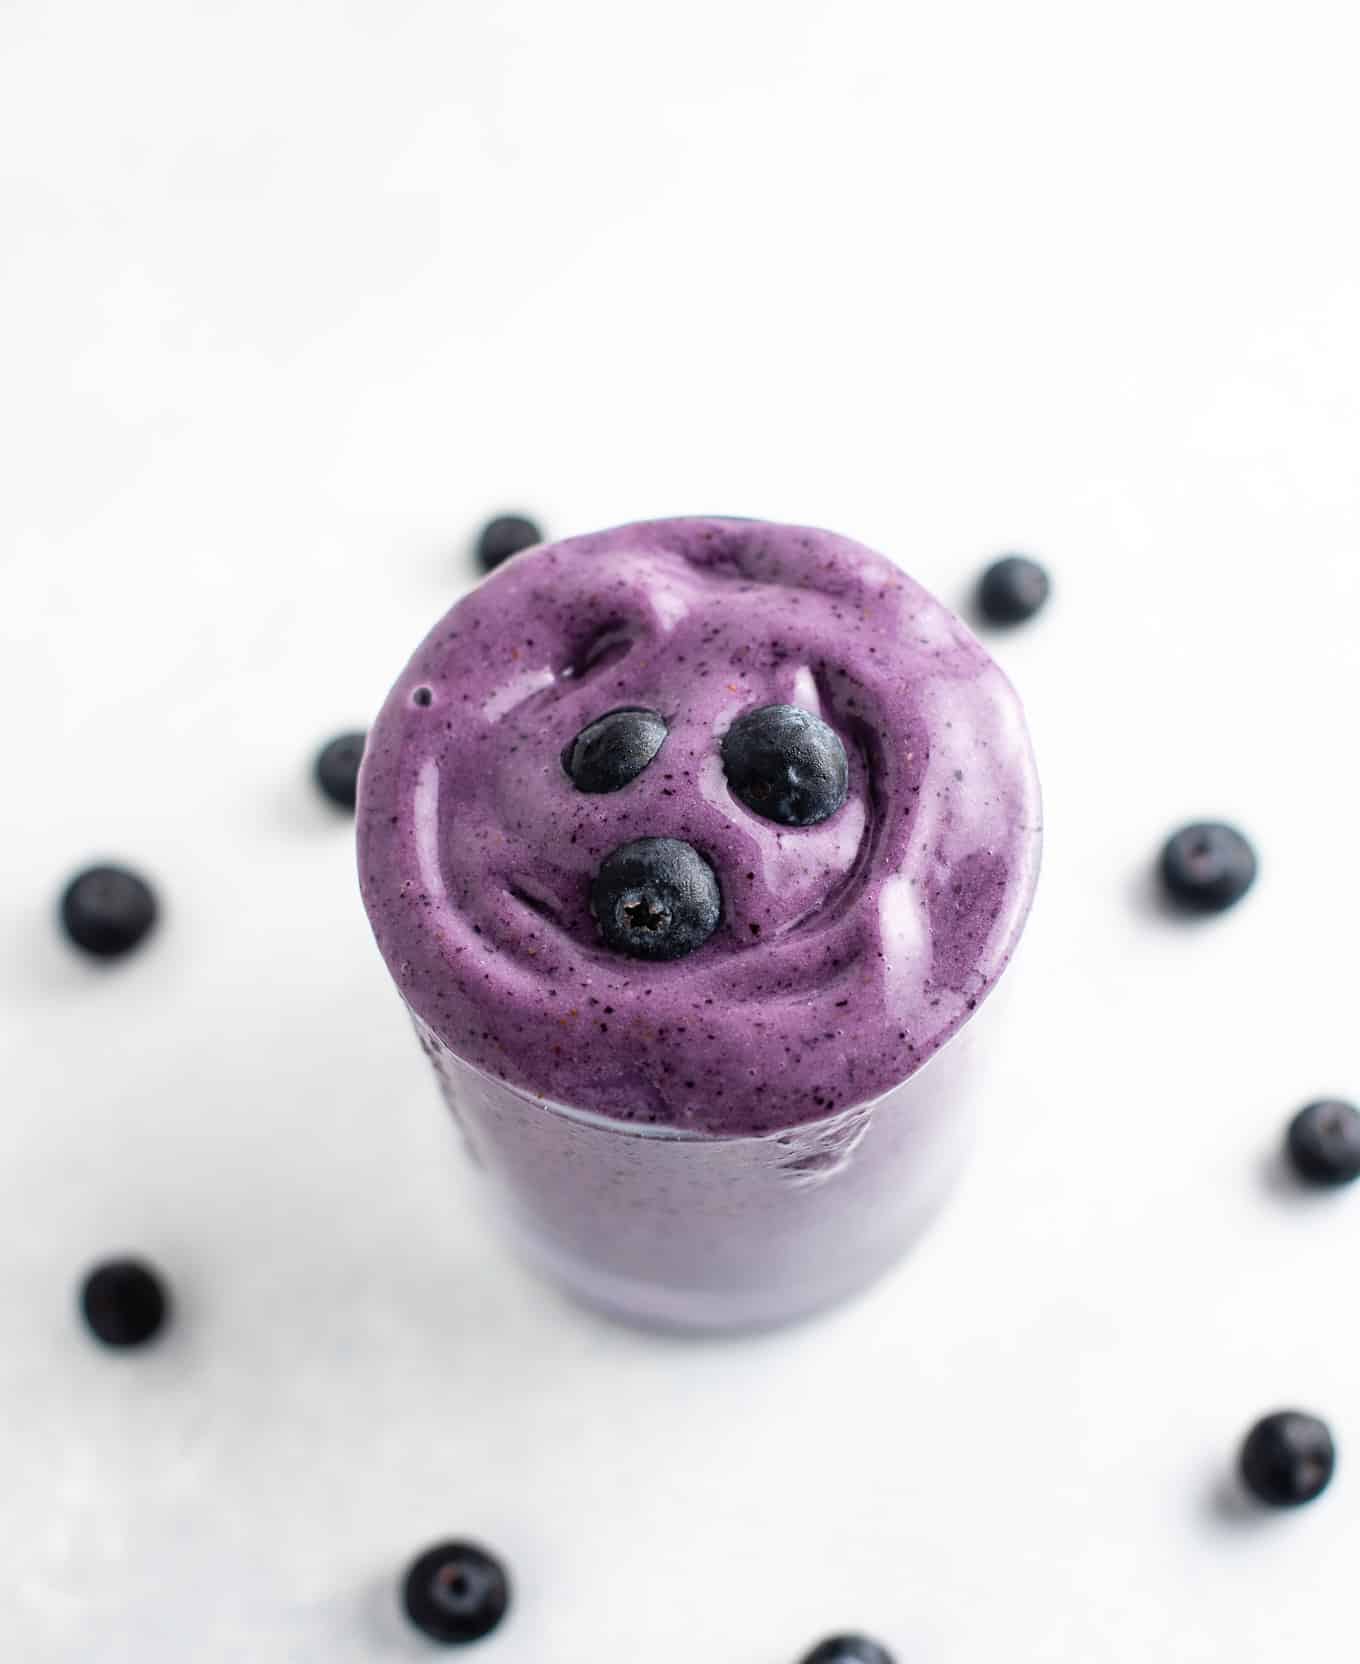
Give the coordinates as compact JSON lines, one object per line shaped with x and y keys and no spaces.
{"x":695,"y":1232}
{"x":713,"y":1025}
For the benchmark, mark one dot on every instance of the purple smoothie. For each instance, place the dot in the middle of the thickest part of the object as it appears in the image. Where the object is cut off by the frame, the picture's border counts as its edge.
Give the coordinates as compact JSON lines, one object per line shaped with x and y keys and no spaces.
{"x":749,"y":1127}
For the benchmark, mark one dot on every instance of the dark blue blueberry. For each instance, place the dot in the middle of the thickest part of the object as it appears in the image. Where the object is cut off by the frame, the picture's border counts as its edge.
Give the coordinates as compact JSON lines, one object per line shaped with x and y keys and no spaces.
{"x":124,"y":1302}
{"x":1324,"y":1142}
{"x":849,"y":1649}
{"x":1207,"y":867}
{"x":613,"y":750}
{"x":656,"y":898}
{"x":1287,"y":1459}
{"x":455,"y":1593}
{"x":786,"y":764}
{"x":504,"y":536}
{"x":337,"y":768}
{"x":1012,"y":589}
{"x":108,"y":910}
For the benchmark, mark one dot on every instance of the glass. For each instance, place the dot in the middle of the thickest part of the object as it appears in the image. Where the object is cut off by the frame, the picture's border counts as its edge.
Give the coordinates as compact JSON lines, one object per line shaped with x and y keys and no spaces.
{"x":695,"y":1232}
{"x":653,"y":1086}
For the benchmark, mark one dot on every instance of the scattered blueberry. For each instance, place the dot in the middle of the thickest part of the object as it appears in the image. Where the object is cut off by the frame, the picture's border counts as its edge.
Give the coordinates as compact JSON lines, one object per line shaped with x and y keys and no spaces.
{"x":337,"y":768}
{"x":1324,"y":1142}
{"x":108,"y":910}
{"x":849,"y":1649}
{"x":455,"y":1593}
{"x":656,"y":898}
{"x":786,"y":764}
{"x":504,"y":536}
{"x":1012,"y":589}
{"x":1288,"y":1458}
{"x":613,"y":750}
{"x":124,"y":1302}
{"x":1207,"y":867}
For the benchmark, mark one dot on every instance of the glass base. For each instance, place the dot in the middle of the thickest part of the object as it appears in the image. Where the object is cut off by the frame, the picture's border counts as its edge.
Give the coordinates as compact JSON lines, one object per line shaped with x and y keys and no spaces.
{"x":697,"y":1311}
{"x":680,"y":1232}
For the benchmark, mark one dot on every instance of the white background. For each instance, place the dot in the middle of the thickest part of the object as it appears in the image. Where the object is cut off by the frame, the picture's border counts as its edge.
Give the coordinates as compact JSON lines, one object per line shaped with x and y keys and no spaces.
{"x":293,"y":295}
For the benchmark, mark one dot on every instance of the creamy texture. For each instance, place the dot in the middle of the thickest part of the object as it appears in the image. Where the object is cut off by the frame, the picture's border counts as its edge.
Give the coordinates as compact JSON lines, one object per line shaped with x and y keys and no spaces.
{"x":848,"y":952}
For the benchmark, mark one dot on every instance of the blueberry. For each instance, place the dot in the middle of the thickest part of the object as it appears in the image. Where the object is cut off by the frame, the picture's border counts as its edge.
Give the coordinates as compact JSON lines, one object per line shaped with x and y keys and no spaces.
{"x":455,"y":1593}
{"x":108,"y":910}
{"x":614,"y":749}
{"x":337,"y":768}
{"x":124,"y":1302}
{"x":1288,"y":1458}
{"x":786,"y":764}
{"x":1324,"y":1142}
{"x":1207,"y":867}
{"x":849,"y":1649}
{"x":656,"y":898}
{"x":1012,"y":589}
{"x":504,"y":536}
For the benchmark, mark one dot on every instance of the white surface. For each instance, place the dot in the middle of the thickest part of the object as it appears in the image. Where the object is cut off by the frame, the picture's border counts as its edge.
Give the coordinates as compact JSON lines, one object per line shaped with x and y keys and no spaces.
{"x":295,"y":294}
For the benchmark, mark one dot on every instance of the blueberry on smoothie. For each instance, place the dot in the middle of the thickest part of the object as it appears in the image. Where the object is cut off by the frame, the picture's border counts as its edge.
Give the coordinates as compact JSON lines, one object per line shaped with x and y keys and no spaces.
{"x":108,"y":910}
{"x":1324,"y":1142}
{"x":1287,"y":1459}
{"x":609,"y":753}
{"x":786,"y":764}
{"x":455,"y":1593}
{"x":1207,"y":867}
{"x":656,"y":898}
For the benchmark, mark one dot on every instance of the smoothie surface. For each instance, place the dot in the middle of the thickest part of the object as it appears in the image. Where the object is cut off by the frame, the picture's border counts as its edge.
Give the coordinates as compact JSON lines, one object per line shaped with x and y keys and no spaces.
{"x":847,"y":952}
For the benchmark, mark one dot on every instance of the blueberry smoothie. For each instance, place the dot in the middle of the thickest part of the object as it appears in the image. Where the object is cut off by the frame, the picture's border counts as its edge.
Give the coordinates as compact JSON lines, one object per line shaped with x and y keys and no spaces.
{"x":693,"y":847}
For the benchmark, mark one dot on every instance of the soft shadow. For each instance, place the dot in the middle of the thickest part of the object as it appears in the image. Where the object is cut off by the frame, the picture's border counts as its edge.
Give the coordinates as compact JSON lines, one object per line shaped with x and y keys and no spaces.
{"x":44,"y":960}
{"x":1228,"y":1505}
{"x":1148,"y":898}
{"x":449,"y":565}
{"x":46,"y":965}
{"x":623,"y":1329}
{"x":298,"y":808}
{"x":818,"y":1324}
{"x":380,"y":1620}
{"x":1281,"y":1182}
{"x":966,"y":606}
